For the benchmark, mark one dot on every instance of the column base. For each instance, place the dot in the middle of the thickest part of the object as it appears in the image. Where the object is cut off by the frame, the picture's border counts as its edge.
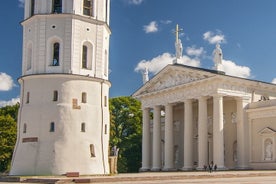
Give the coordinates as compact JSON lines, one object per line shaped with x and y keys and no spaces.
{"x":186,"y":169}
{"x":222,"y":168}
{"x":243,"y":168}
{"x":169,"y":169}
{"x":144,"y":169}
{"x":201,"y":168}
{"x":155,"y":169}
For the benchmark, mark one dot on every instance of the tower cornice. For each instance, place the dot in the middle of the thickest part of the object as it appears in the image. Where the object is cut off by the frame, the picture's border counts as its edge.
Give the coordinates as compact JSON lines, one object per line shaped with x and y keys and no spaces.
{"x":68,"y":15}
{"x":73,"y":76}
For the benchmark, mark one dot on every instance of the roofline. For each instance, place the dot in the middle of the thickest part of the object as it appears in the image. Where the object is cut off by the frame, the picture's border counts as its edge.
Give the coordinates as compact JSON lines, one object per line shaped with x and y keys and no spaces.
{"x":219,"y":73}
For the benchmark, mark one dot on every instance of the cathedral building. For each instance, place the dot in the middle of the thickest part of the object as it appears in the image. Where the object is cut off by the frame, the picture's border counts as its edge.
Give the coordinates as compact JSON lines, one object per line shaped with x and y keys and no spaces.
{"x":194,"y":116}
{"x":63,"y":122}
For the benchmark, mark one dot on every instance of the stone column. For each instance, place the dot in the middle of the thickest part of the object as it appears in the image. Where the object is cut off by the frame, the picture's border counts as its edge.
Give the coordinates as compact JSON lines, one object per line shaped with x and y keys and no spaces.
{"x":242,"y":134}
{"x":188,"y":135}
{"x":202,"y":133}
{"x":169,"y":145}
{"x":218,"y":139}
{"x":146,"y":141}
{"x":156,"y":140}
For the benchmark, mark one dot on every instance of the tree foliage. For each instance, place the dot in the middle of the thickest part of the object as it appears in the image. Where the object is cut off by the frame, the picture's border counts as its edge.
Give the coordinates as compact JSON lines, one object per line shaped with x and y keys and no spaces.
{"x":8,"y":118}
{"x":126,"y":132}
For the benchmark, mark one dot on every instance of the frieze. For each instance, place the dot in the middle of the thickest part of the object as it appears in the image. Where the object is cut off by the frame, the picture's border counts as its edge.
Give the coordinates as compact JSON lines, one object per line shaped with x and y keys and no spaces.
{"x":174,"y":80}
{"x":179,"y":95}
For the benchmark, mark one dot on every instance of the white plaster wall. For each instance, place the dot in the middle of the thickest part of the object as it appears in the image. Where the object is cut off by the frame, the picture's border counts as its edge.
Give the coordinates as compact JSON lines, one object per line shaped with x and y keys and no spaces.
{"x":67,"y":149}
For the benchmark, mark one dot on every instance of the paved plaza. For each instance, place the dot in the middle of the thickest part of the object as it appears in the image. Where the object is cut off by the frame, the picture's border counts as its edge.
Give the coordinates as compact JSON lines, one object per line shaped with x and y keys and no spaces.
{"x":234,"y":177}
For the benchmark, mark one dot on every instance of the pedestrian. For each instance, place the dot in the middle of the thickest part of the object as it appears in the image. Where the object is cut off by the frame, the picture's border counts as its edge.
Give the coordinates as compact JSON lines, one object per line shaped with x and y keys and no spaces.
{"x":215,"y":167}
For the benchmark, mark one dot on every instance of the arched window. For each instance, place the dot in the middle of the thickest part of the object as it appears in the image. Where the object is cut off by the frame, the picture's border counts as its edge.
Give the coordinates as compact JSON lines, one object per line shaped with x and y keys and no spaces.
{"x":57,"y":6}
{"x":56,"y":50}
{"x":84,"y":56}
{"x":88,"y":7}
{"x":32,"y":7}
{"x":82,"y":127}
{"x":55,"y":96}
{"x":83,"y":97}
{"x":52,"y":127}
{"x":25,"y":128}
{"x":87,"y":55}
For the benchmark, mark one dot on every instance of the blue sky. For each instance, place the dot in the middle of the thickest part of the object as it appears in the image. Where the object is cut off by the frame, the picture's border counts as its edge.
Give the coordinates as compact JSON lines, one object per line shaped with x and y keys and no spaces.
{"x":142,"y":35}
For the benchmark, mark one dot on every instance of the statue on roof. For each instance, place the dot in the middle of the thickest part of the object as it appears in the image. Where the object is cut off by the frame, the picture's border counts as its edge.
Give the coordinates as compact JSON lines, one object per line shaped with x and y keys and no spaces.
{"x":145,"y":75}
{"x":178,"y":44}
{"x":179,"y":49}
{"x":217,"y":53}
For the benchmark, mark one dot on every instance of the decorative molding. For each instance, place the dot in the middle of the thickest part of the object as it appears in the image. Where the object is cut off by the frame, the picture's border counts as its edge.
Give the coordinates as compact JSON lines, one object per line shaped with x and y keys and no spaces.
{"x":267,"y":132}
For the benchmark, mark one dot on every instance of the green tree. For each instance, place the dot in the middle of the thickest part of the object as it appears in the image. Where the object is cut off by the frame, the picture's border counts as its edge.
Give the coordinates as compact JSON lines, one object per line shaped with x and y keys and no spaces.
{"x":8,"y":117}
{"x":126,"y":132}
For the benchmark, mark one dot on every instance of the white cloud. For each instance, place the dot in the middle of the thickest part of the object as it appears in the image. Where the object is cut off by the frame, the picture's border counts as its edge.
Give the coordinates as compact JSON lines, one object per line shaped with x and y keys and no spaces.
{"x":214,"y":38}
{"x":21,"y":3}
{"x":193,"y":51}
{"x":13,"y":101}
{"x":151,"y":27}
{"x":6,"y":82}
{"x":231,"y":68}
{"x":156,"y":64}
{"x":274,"y":81}
{"x":135,"y":2}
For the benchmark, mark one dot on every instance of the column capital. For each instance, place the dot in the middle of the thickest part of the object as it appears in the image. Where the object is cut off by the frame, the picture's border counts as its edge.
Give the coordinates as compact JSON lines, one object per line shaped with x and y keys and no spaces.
{"x":218,"y":95}
{"x":203,"y":98}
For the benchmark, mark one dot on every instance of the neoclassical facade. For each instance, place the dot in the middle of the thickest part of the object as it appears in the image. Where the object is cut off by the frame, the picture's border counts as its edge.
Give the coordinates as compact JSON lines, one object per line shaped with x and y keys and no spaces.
{"x":193,"y":116}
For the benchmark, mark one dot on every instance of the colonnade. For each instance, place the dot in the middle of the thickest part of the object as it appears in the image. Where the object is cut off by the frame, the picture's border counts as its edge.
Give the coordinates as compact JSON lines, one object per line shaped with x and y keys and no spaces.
{"x":151,"y":157}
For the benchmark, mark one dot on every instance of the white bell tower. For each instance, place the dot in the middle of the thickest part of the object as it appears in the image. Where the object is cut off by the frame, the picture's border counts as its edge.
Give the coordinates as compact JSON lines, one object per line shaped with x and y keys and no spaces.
{"x":63,"y":122}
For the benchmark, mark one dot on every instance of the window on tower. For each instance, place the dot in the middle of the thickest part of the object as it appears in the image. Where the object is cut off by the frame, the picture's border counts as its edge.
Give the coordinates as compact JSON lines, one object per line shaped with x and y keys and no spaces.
{"x":25,"y":128}
{"x":28,"y":98}
{"x":82,"y":127}
{"x":56,"y":48}
{"x":84,"y":56}
{"x":52,"y":126}
{"x":83,"y":97}
{"x":88,"y":7}
{"x":57,"y":6}
{"x":55,"y":96}
{"x":32,"y":7}
{"x":87,"y":55}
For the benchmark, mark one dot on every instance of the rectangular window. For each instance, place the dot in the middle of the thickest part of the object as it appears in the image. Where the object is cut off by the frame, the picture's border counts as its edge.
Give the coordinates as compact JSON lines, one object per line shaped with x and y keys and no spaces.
{"x":28,"y":98}
{"x":82,"y":127}
{"x":25,"y":128}
{"x":88,"y":7}
{"x":92,"y":151}
{"x":52,"y":127}
{"x":105,"y":101}
{"x":57,"y":6}
{"x":55,"y":96}
{"x":105,"y":129}
{"x":83,"y":97}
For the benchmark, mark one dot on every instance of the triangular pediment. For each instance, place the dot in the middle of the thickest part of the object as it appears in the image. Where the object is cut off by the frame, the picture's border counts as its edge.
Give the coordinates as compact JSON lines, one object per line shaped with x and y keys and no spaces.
{"x":172,"y":76}
{"x":267,"y":131}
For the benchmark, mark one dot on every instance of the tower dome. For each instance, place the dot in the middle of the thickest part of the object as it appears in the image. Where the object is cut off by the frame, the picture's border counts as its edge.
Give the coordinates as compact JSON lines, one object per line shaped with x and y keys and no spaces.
{"x":63,"y":123}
